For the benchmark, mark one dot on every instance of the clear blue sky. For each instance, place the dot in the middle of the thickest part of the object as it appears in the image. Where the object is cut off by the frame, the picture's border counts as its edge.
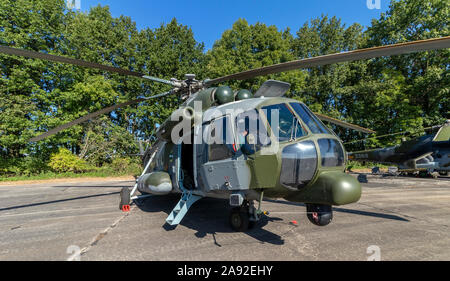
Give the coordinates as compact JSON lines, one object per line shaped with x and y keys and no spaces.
{"x":208,"y":19}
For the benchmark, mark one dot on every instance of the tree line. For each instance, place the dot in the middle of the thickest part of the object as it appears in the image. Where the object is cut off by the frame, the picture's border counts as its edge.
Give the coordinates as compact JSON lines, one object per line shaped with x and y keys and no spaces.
{"x":388,"y":94}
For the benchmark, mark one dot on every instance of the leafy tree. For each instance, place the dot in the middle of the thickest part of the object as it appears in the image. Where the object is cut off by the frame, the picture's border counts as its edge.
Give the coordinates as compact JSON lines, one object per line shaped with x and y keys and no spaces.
{"x":37,"y":95}
{"x":105,"y":141}
{"x":251,"y":46}
{"x":425,"y":73}
{"x":168,"y":51}
{"x":330,"y":88}
{"x":34,"y":25}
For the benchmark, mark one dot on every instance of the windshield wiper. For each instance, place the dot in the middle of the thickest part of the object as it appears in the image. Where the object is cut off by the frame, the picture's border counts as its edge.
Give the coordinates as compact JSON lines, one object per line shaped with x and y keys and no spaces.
{"x":294,"y":129}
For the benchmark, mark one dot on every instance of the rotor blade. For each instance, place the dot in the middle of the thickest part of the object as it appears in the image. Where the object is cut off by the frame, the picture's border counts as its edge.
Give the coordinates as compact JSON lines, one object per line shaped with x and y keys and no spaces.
{"x":93,"y":115}
{"x":37,"y":55}
{"x":394,"y":134}
{"x":388,"y":50}
{"x":343,"y":123}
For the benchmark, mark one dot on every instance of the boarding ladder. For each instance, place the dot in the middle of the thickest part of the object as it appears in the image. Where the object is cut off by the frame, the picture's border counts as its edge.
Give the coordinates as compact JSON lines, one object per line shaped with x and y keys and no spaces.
{"x":180,"y":210}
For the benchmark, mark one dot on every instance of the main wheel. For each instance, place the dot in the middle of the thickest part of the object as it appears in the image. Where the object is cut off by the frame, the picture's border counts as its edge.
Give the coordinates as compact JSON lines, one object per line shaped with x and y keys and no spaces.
{"x":320,"y":215}
{"x":239,"y":220}
{"x":124,"y":197}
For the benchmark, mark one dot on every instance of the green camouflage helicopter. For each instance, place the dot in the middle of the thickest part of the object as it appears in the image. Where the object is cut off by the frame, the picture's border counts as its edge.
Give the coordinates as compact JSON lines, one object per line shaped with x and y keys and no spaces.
{"x":425,"y":155}
{"x":241,"y":146}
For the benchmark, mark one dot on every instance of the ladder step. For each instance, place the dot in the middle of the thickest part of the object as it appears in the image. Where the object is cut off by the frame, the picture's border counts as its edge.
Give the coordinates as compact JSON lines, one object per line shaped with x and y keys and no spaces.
{"x":181,"y":209}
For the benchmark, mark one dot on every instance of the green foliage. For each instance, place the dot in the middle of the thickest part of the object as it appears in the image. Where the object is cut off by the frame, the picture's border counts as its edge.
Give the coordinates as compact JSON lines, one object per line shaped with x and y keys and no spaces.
{"x":98,"y":172}
{"x":104,"y":141}
{"x":389,"y":94}
{"x":65,"y":161}
{"x":251,"y":46}
{"x":355,"y":165}
{"x":34,"y":25}
{"x":168,"y":51}
{"x":126,"y":166}
{"x":328,"y":89}
{"x":36,"y":95}
{"x":22,"y":166}
{"x":425,"y":73}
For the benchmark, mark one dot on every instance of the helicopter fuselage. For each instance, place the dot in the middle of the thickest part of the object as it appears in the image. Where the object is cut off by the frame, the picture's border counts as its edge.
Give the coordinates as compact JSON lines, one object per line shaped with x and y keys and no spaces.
{"x":243,"y":148}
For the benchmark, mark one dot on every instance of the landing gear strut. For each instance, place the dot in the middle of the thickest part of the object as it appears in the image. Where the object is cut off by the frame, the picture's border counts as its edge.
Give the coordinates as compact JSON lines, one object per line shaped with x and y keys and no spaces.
{"x":318,"y":214}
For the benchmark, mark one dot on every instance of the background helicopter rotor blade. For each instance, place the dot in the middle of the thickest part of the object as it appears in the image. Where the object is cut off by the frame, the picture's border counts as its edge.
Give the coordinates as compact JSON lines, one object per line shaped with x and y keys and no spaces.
{"x":93,"y":115}
{"x":38,"y":55}
{"x":343,"y":123}
{"x":388,"y":50}
{"x":394,"y":134}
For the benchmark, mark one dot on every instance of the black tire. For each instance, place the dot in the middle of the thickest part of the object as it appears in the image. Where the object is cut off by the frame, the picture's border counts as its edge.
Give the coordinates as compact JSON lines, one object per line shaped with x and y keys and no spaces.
{"x":443,"y":173}
{"x":320,"y":215}
{"x":239,"y":220}
{"x":124,"y":197}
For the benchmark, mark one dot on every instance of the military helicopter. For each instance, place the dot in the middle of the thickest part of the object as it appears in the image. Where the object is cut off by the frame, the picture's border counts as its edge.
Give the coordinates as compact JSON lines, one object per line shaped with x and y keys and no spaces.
{"x":241,"y":146}
{"x":427,"y":154}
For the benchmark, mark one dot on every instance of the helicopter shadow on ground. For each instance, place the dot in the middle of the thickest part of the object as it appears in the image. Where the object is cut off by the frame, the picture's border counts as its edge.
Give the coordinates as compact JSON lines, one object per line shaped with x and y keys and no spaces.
{"x":88,"y":186}
{"x":362,"y":177}
{"x":348,"y":211}
{"x":57,"y":201}
{"x":208,"y":216}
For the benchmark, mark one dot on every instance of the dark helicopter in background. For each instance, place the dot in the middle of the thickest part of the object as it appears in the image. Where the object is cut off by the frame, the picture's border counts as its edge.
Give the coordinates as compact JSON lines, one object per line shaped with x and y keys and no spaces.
{"x":424,"y":155}
{"x":242,"y":146}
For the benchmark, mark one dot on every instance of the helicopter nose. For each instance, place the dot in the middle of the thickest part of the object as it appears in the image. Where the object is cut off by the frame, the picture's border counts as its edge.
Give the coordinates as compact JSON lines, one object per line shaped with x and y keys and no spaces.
{"x":330,"y":188}
{"x":341,"y":188}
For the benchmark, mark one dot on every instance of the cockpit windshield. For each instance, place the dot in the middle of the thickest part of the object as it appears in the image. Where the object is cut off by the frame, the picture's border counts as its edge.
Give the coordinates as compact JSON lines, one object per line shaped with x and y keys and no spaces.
{"x":309,"y":119}
{"x":283,"y":122}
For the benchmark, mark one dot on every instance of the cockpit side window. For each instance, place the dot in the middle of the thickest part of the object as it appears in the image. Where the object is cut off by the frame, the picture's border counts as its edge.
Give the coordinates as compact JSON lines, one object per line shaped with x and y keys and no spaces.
{"x":159,"y":165}
{"x":314,"y":125}
{"x":287,"y":127}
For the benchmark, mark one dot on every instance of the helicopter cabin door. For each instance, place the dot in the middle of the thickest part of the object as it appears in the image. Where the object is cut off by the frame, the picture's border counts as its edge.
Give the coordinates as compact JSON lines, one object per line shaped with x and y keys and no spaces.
{"x":220,"y":168}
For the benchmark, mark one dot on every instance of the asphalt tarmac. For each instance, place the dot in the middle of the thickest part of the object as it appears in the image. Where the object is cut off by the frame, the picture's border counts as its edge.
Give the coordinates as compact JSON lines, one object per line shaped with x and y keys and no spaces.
{"x":397,"y":218}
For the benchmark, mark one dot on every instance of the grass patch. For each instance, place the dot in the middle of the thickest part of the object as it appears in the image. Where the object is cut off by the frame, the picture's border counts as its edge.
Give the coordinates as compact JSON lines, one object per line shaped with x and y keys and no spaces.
{"x":355,"y":165}
{"x":100,"y":173}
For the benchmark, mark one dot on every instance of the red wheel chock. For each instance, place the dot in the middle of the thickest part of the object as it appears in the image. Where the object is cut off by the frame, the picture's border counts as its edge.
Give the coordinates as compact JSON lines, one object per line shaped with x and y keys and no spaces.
{"x":125,"y":208}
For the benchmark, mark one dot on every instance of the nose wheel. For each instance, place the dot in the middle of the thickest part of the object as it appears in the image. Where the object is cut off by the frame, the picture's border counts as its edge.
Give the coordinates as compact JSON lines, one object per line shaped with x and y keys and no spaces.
{"x":244,"y":217}
{"x":320,"y":215}
{"x":239,"y":219}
